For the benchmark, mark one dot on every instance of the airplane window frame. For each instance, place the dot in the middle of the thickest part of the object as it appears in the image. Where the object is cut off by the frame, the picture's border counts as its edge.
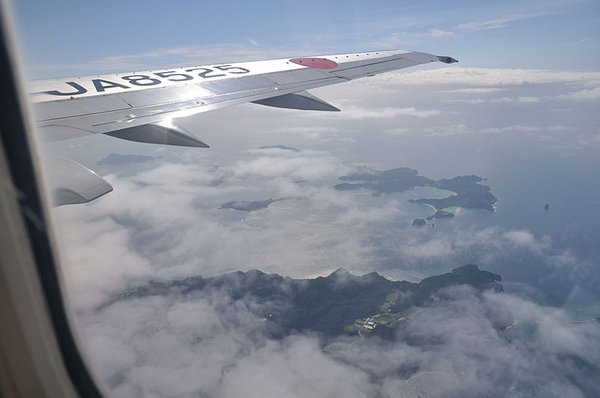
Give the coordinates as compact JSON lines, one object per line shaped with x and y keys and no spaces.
{"x":21,"y":165}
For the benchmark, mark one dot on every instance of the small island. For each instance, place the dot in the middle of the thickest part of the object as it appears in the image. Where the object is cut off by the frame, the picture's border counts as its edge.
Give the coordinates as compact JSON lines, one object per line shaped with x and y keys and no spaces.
{"x":470,"y":194}
{"x":248,"y":205}
{"x":469,"y":190}
{"x":440,"y":214}
{"x":418,"y":222}
{"x":282,"y":147}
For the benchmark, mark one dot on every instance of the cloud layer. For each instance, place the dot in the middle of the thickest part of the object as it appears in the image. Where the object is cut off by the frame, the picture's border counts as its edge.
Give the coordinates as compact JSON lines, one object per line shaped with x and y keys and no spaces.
{"x":208,"y":345}
{"x":163,"y":222}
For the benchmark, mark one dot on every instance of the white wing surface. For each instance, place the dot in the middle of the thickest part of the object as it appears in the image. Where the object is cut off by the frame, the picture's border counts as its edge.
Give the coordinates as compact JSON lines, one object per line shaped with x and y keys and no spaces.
{"x":142,"y":106}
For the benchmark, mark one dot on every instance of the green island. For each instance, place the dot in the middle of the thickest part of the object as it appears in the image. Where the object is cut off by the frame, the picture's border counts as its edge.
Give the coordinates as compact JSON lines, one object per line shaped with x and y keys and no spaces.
{"x":469,"y":191}
{"x":334,"y":305}
{"x":248,"y":205}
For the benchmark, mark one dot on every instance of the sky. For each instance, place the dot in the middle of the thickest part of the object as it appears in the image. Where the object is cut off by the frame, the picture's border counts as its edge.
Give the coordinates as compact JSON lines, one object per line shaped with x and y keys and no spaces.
{"x":71,"y":37}
{"x":519,"y":109}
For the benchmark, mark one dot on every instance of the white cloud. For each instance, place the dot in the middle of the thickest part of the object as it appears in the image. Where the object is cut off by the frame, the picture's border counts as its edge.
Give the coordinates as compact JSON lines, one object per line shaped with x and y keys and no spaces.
{"x":369,"y":215}
{"x":357,"y":112}
{"x":398,"y":131}
{"x":451,"y":129}
{"x":514,"y":12}
{"x":96,"y":257}
{"x":488,"y":77}
{"x":320,"y":133}
{"x":539,"y":131}
{"x":396,"y":39}
{"x":526,"y":100}
{"x":207,"y":344}
{"x":589,"y":94}
{"x":432,"y":248}
{"x":306,"y":129}
{"x":522,"y":239}
{"x":501,"y":22}
{"x":298,"y":368}
{"x":475,"y":90}
{"x":297,"y":167}
{"x":440,"y":33}
{"x":506,"y":129}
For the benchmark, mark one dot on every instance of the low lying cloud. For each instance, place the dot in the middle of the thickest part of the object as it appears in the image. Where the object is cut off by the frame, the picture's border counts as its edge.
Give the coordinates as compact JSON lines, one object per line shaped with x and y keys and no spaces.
{"x":210,"y":345}
{"x":525,"y":239}
{"x":437,"y":361}
{"x":489,"y":77}
{"x":356,"y":112}
{"x":589,"y":94}
{"x":501,"y":22}
{"x":475,"y":90}
{"x":429,"y":244}
{"x":507,"y":129}
{"x":312,"y":168}
{"x":496,"y":100}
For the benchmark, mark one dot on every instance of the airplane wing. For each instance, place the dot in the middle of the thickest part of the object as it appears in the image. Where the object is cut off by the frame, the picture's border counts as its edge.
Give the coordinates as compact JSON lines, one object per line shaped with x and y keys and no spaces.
{"x":142,"y":106}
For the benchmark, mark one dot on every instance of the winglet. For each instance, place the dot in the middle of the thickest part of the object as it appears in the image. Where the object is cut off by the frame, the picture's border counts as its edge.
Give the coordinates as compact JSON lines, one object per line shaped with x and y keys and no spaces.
{"x":446,"y":60}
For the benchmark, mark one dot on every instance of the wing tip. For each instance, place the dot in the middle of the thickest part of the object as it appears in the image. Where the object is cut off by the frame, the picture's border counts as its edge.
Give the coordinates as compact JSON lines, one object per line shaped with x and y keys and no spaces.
{"x":447,"y":60}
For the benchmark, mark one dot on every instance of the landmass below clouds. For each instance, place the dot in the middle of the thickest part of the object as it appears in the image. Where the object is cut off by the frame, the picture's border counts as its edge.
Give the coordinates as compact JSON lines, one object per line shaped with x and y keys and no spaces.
{"x":213,"y":343}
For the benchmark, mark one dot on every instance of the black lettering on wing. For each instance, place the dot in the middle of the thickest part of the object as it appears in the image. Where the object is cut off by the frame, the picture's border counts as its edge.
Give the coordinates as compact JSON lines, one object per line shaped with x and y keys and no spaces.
{"x":101,"y":85}
{"x":79,"y":89}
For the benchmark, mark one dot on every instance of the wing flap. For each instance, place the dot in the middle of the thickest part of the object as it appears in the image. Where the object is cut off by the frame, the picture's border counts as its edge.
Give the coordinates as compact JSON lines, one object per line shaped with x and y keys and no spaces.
{"x":47,"y":112}
{"x":299,"y":76}
{"x":164,"y":134}
{"x":302,"y":101}
{"x":165,"y":95}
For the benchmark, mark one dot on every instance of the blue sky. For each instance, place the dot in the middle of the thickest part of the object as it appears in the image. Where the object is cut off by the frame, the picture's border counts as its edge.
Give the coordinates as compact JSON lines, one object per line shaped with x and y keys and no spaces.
{"x":67,"y":37}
